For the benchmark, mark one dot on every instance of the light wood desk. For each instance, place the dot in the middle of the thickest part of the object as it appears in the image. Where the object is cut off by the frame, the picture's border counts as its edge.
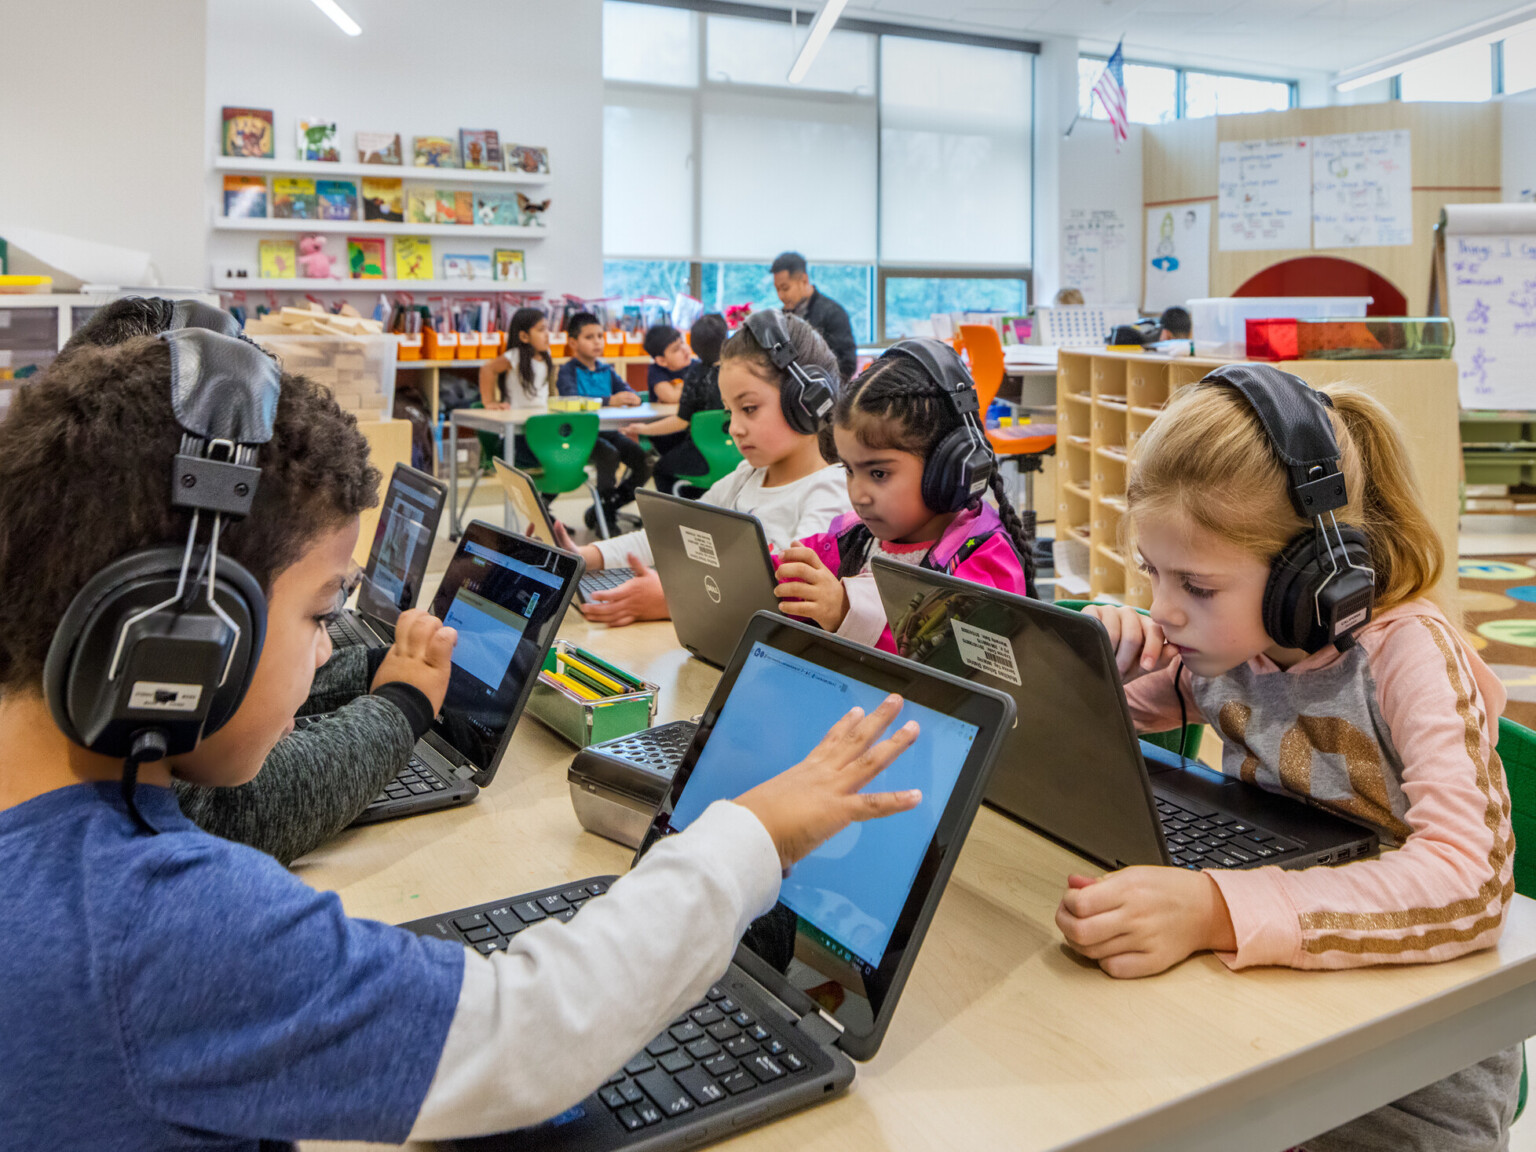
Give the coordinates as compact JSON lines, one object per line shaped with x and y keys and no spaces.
{"x":1002,"y":1039}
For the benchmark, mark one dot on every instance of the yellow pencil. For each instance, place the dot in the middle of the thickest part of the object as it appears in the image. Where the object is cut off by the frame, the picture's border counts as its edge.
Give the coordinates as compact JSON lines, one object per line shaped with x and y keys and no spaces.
{"x":592,"y":673}
{"x":564,"y":681}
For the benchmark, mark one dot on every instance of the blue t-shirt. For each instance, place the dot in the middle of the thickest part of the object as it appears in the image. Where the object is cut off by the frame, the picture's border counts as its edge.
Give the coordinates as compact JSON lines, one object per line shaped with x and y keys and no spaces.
{"x":575,"y":379}
{"x":185,"y":992}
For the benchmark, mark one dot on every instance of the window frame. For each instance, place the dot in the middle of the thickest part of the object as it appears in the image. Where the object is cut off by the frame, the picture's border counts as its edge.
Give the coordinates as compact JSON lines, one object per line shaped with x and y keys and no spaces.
{"x":1180,"y":108}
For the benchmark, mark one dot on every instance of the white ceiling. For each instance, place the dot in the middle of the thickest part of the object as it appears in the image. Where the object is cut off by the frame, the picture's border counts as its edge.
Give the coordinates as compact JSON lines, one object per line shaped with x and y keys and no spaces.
{"x":1284,"y":35}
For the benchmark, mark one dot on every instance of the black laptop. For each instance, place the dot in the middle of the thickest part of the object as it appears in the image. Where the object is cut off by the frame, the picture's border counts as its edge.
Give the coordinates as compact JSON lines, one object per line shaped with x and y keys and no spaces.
{"x":506,"y":595}
{"x":715,"y":570}
{"x":1073,"y":767}
{"x":816,"y":980}
{"x":524,"y":497}
{"x":397,"y":562}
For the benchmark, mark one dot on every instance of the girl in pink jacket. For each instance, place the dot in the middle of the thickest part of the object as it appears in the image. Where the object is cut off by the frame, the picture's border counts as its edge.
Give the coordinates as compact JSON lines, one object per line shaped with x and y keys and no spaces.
{"x":909,"y":435}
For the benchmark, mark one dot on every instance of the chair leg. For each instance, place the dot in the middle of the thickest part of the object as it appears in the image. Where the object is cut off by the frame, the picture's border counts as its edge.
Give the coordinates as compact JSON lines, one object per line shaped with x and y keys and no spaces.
{"x":597,"y":510}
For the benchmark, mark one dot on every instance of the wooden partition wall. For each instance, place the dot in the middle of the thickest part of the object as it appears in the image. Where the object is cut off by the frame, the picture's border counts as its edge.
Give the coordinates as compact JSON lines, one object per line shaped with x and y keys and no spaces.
{"x":1456,"y":160}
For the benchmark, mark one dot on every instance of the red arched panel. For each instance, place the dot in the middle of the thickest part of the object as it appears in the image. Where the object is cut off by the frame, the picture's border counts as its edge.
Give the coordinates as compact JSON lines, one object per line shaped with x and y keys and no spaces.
{"x":1327,"y":276}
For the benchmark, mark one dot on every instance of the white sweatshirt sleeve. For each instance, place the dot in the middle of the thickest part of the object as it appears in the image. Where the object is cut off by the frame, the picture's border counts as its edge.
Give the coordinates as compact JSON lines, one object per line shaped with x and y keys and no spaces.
{"x":541,"y":1025}
{"x":615,"y":550}
{"x":865,"y":622}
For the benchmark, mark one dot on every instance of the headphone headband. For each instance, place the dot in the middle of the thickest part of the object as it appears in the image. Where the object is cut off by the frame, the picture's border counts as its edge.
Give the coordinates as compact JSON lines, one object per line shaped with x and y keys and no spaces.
{"x":944,"y":368}
{"x":807,"y":393}
{"x":962,"y":463}
{"x":772,"y":334}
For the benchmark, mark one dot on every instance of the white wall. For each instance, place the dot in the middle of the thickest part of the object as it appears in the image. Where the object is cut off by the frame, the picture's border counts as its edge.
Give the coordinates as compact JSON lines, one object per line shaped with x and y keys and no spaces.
{"x":1518,"y":146}
{"x":1097,"y":176}
{"x":531,"y":69}
{"x":101,"y":126}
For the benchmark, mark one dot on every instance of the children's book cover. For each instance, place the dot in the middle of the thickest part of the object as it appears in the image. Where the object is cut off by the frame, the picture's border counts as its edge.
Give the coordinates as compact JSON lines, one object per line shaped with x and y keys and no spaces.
{"x":293,"y":198}
{"x":435,"y":152}
{"x":509,"y":264}
{"x":421,"y":206}
{"x":464,"y":267}
{"x":493,"y":208}
{"x":413,"y":258}
{"x":383,"y":198}
{"x":378,"y":147}
{"x":531,"y":212}
{"x":318,"y":140}
{"x":245,"y":196}
{"x":365,"y":257}
{"x":248,"y":132}
{"x":447,"y":206}
{"x":463,"y":207}
{"x":279,"y":259}
{"x":481,"y":148}
{"x":337,"y":199}
{"x":528,"y":160}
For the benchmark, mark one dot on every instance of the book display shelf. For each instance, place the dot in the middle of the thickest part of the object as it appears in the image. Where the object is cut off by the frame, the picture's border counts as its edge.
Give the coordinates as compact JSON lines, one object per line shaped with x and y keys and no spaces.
{"x":1106,"y":401}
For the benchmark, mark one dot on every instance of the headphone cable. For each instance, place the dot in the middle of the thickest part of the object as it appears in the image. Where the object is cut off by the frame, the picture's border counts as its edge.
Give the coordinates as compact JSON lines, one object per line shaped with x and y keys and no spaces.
{"x":1183,"y":713}
{"x":148,"y":746}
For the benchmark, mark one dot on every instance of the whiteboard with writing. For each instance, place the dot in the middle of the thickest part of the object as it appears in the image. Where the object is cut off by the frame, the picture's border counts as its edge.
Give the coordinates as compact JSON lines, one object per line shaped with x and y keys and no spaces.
{"x":1490,"y":265}
{"x":1094,"y":256}
{"x":1362,"y":190}
{"x":1264,"y":194}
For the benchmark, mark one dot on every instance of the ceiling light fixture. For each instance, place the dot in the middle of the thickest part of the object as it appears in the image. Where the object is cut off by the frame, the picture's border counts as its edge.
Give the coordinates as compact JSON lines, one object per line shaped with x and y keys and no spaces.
{"x":1483,"y":32}
{"x":821,"y":28}
{"x":338,"y":17}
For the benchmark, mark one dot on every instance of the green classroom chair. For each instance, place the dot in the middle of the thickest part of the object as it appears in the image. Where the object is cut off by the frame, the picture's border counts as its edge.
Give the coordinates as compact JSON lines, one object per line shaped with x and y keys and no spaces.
{"x":562,"y":442}
{"x":1517,"y":748}
{"x":711,"y":437}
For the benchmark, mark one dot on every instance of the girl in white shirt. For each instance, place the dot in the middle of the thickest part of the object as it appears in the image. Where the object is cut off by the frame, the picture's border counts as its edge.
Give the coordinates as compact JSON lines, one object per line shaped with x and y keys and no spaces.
{"x":785,"y":478}
{"x":528,"y":344}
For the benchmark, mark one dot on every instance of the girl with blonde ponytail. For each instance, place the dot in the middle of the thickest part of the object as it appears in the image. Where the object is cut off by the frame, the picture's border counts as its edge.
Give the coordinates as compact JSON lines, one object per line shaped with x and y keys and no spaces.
{"x":1394,"y":724}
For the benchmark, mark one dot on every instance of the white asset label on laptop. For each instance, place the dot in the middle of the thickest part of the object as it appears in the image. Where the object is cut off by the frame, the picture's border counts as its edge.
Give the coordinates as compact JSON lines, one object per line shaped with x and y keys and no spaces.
{"x":986,"y":651}
{"x":700,"y":546}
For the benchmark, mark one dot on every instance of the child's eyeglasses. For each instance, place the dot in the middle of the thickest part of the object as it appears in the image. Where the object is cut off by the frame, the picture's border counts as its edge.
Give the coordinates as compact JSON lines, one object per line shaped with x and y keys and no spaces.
{"x":349,"y":585}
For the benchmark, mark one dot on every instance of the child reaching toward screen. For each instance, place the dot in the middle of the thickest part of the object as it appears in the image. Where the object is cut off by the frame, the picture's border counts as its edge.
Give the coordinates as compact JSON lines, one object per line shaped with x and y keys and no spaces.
{"x":1390,"y":720}
{"x":914,"y":402}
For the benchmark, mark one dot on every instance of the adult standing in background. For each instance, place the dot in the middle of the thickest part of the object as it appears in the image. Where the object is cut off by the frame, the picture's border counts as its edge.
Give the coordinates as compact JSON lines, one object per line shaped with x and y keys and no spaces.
{"x":792,"y":282}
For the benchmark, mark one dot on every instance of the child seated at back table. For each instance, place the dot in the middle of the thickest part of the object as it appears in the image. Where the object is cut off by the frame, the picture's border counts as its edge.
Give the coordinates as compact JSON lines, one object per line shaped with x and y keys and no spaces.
{"x":528,"y":368}
{"x":586,"y":375}
{"x":1391,"y":721}
{"x":784,"y":478}
{"x":701,"y":393}
{"x":909,"y":435}
{"x":671,"y":358}
{"x":168,"y":989}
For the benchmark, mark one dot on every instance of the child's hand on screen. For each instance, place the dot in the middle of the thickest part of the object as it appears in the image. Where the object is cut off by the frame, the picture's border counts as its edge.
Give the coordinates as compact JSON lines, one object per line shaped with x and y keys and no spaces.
{"x":421,"y":656}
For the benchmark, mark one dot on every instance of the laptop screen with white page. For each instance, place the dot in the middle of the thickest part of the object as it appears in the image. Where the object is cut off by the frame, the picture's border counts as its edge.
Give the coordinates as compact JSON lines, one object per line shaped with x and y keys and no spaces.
{"x":402,"y":543}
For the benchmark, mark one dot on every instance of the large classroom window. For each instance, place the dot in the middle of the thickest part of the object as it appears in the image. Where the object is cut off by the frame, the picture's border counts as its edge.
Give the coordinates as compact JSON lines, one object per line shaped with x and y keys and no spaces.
{"x":1156,"y":94}
{"x":1464,"y":72}
{"x":896,"y":152}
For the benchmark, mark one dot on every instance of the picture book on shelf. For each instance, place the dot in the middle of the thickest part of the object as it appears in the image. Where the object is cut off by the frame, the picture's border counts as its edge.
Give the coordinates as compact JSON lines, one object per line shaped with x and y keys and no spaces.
{"x":493,"y":208}
{"x":293,"y":198}
{"x":465,"y":267}
{"x":279,"y":259}
{"x":248,"y":132}
{"x":365,"y":257}
{"x":463,"y":207}
{"x":435,"y":152}
{"x":421,"y":205}
{"x":383,"y":198}
{"x":531,"y":212}
{"x":318,"y":140}
{"x":337,"y":199}
{"x":413,"y":258}
{"x":480,"y":148}
{"x":378,"y":147}
{"x":245,"y":196}
{"x":526,"y":159}
{"x":445,"y":207}
{"x":509,"y":264}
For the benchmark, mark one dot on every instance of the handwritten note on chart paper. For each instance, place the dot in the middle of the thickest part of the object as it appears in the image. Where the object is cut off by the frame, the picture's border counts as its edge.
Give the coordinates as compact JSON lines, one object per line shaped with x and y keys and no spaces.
{"x":1490,"y":263}
{"x":1264,"y":196}
{"x":1362,"y":190}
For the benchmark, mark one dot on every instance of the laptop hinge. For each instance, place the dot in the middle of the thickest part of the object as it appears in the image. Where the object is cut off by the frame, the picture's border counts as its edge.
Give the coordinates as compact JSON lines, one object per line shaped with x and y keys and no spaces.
{"x":821,"y":1028}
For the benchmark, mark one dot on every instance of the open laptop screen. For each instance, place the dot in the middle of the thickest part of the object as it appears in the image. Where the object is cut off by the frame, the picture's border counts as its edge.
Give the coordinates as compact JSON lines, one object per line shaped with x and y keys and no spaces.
{"x":413,"y":503}
{"x":505,"y":595}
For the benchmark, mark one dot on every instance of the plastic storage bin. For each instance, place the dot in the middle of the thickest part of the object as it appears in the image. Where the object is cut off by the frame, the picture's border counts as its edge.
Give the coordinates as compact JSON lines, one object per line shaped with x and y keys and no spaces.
{"x":584,"y":722}
{"x":1220,"y":322}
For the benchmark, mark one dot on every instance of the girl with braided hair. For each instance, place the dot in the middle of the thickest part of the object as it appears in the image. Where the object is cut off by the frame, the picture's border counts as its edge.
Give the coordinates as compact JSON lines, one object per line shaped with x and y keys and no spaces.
{"x":888,"y":427}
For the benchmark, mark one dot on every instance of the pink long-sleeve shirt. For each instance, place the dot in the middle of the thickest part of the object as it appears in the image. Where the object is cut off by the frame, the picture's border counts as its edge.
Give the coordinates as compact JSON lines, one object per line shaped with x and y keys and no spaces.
{"x":1398,"y":732}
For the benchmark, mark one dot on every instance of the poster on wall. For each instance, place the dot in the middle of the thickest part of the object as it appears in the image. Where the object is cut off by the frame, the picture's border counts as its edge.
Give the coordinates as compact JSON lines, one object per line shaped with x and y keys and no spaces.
{"x":1178,"y":266}
{"x":1264,"y":196}
{"x":1490,"y":269}
{"x":1094,"y":251}
{"x":1362,"y":190}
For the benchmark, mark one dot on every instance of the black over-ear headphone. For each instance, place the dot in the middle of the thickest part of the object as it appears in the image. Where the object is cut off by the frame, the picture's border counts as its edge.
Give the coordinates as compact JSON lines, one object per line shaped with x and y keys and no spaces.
{"x":159,"y":647}
{"x":960,"y":467}
{"x":1321,"y":585}
{"x":809,"y":392}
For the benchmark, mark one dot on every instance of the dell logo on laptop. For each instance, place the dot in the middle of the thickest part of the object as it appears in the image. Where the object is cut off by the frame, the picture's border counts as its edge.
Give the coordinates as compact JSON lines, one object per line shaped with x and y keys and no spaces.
{"x":712,"y":588}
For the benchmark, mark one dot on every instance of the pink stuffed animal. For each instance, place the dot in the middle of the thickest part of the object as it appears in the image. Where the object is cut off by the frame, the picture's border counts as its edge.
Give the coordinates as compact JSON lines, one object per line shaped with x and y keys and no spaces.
{"x":313,"y":259}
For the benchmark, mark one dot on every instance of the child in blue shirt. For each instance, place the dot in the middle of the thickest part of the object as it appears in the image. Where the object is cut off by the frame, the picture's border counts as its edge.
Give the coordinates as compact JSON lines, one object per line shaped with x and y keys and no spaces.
{"x":665,"y":376}
{"x":586,"y":375}
{"x":165,"y":989}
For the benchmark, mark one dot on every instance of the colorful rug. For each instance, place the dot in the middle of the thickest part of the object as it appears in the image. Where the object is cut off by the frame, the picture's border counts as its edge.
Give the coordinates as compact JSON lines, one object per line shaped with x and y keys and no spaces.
{"x":1498,"y":602}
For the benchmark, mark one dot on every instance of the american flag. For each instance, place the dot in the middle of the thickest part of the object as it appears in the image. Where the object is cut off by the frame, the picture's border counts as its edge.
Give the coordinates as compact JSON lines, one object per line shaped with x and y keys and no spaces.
{"x":1110,"y":89}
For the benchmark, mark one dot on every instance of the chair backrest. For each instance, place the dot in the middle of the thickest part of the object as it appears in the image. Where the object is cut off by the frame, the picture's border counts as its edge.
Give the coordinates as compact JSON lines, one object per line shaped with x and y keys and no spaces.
{"x":1517,"y":748}
{"x":710,"y":436}
{"x":986,"y":349}
{"x":562,"y":442}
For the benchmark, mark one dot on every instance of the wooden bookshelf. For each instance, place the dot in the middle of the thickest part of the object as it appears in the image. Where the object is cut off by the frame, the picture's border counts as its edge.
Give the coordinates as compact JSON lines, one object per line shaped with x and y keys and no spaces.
{"x":436,"y":176}
{"x":1106,"y":401}
{"x":376,"y":228}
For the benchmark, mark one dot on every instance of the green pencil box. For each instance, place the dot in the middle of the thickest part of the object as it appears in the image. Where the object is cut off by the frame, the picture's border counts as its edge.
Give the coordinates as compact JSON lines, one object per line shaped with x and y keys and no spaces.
{"x":582,"y":721}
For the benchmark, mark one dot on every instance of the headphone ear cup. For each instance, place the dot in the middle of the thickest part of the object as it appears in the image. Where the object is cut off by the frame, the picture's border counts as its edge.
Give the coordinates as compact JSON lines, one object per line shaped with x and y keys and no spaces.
{"x":1296,"y":576}
{"x":952,"y":470}
{"x":806,"y":398}
{"x":76,"y":684}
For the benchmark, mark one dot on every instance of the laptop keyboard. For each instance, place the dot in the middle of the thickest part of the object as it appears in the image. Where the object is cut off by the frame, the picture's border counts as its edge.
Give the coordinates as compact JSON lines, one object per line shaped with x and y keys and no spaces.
{"x":346,"y":632}
{"x":714,"y":1051}
{"x":1198,"y":836}
{"x":604,"y":579}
